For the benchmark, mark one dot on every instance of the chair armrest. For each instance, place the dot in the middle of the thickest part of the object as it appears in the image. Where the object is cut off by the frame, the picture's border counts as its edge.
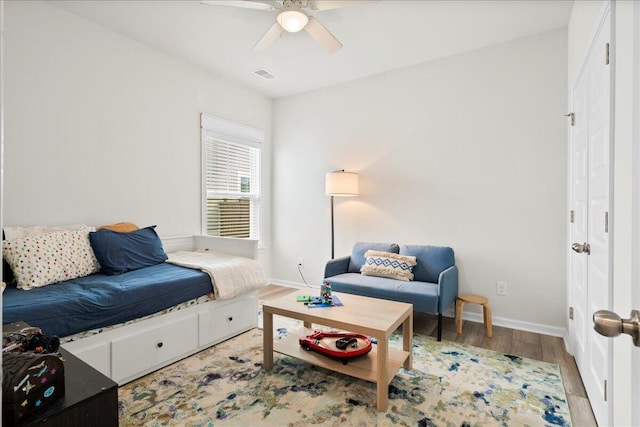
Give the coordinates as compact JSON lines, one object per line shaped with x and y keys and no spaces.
{"x":447,"y":288}
{"x":337,"y":266}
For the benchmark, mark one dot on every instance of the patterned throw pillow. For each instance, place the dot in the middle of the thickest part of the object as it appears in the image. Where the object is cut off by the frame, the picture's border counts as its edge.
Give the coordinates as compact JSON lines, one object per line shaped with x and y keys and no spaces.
{"x":42,"y":259}
{"x":386,"y":264}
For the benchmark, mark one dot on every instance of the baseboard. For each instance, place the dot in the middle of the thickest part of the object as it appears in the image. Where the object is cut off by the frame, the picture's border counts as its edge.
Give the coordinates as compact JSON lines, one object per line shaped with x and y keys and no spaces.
{"x":553,"y":331}
{"x":289,"y":284}
{"x":567,"y":342}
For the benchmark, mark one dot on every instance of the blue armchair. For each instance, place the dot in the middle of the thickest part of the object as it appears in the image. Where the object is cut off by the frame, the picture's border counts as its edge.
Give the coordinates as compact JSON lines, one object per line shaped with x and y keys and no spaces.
{"x":435,"y":284}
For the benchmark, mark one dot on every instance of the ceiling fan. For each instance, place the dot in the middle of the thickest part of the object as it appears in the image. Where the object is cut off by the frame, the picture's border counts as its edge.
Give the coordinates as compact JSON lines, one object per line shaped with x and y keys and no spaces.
{"x":292,"y":18}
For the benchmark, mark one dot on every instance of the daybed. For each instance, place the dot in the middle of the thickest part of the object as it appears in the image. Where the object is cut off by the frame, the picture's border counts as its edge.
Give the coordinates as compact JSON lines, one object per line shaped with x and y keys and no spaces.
{"x":149,"y":317}
{"x":425,"y":276}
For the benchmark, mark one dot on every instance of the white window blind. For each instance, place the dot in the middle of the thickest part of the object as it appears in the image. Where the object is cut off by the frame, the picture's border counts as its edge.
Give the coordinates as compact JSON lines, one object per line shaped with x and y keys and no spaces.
{"x":231,"y":182}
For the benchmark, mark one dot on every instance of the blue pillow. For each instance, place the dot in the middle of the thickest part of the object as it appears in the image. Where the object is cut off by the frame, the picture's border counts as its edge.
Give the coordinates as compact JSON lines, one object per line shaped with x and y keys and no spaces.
{"x":118,"y":253}
{"x":360,"y":248}
{"x":7,"y":273}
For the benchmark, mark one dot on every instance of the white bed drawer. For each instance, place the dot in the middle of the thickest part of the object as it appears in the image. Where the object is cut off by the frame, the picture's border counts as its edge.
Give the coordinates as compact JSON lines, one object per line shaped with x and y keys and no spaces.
{"x":153,"y":347}
{"x":227,"y":321}
{"x":131,"y":351}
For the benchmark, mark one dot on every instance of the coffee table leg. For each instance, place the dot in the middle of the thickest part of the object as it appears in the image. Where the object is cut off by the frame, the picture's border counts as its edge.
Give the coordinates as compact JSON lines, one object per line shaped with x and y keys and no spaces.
{"x":407,"y":340}
{"x":267,"y":340}
{"x":383,"y":366}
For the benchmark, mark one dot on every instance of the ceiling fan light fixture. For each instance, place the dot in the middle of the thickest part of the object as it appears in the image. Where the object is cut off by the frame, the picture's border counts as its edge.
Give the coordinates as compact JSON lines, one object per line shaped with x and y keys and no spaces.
{"x":292,"y":20}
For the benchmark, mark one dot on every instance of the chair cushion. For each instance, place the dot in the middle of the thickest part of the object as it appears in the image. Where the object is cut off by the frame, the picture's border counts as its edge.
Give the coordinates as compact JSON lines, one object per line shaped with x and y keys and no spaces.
{"x":430,"y":261}
{"x":423,"y":296}
{"x":360,"y":248}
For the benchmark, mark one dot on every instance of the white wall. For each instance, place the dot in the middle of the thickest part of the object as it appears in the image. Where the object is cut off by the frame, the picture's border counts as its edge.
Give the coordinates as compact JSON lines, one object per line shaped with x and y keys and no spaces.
{"x":1,"y":131}
{"x":101,"y":129}
{"x":467,"y":151}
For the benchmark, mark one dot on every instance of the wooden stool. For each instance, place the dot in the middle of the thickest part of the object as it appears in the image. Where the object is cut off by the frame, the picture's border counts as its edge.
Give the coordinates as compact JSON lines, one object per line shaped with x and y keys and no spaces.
{"x":473,"y":299}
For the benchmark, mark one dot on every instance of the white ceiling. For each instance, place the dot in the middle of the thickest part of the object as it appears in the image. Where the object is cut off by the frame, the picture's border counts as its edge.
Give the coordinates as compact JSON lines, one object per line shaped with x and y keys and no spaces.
{"x":377,"y":36}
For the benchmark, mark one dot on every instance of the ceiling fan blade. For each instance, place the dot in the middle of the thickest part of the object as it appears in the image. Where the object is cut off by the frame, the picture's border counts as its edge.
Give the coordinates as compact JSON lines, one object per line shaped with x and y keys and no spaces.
{"x":248,"y":4}
{"x":334,"y":4}
{"x":269,"y":37}
{"x":322,"y":35}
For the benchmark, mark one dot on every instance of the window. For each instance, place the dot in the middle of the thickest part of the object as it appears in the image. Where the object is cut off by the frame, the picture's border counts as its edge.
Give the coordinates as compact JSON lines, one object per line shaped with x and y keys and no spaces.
{"x":231,"y":155}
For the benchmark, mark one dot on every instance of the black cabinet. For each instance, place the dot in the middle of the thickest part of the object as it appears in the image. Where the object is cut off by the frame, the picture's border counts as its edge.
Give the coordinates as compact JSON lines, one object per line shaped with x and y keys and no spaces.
{"x":90,"y":399}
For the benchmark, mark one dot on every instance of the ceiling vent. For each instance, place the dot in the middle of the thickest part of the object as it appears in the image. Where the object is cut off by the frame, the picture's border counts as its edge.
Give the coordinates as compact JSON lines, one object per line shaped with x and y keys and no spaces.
{"x":264,"y":74}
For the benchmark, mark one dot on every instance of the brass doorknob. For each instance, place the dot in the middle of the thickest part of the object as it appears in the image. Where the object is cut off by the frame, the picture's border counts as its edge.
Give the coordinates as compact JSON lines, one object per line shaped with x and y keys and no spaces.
{"x":609,"y":324}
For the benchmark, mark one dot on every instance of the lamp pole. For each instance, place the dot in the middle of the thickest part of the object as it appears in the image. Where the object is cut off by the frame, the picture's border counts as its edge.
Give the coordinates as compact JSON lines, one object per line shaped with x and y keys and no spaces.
{"x":332,"y":244}
{"x":339,"y":183}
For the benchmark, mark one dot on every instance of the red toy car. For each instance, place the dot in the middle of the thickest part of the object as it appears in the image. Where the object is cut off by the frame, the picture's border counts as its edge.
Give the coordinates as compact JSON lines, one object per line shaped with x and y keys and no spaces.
{"x":342,"y":345}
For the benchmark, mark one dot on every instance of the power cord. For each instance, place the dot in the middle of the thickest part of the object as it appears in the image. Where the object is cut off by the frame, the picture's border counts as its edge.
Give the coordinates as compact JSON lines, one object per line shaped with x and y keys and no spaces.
{"x":302,"y":275}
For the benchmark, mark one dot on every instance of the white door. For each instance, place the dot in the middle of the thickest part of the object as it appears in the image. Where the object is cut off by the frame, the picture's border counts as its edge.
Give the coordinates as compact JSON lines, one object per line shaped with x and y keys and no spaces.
{"x":590,"y":185}
{"x":635,"y":298}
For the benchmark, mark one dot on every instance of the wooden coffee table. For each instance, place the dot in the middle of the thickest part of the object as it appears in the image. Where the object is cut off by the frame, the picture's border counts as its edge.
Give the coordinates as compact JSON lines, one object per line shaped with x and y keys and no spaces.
{"x":369,"y":316}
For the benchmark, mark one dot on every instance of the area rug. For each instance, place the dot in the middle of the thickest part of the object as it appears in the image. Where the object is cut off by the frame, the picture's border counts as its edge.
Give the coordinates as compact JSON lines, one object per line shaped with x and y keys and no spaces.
{"x":451,"y":385}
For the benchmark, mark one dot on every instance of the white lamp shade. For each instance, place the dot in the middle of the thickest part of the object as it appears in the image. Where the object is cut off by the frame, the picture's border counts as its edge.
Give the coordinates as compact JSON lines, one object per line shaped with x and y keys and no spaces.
{"x":341,"y":184}
{"x":292,"y":20}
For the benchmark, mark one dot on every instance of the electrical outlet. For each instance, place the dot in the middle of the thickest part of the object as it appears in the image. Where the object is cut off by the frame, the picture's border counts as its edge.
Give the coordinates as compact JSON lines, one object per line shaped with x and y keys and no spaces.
{"x":301,"y":262}
{"x":501,"y":288}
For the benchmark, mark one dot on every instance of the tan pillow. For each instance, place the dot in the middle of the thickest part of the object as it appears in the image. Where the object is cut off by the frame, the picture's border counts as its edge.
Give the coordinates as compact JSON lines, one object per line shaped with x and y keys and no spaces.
{"x":120,"y":227}
{"x":387,"y":264}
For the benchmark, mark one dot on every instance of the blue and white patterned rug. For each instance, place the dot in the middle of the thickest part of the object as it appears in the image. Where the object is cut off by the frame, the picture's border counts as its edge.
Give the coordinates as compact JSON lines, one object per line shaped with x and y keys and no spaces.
{"x":450,"y":385}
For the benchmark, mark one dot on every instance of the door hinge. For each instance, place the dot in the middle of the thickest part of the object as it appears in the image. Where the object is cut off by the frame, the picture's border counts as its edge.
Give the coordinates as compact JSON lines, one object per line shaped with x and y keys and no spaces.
{"x":606,"y":61}
{"x":570,"y":313}
{"x":573,"y":118}
{"x":606,"y":222}
{"x":572,"y":216}
{"x":605,"y":390}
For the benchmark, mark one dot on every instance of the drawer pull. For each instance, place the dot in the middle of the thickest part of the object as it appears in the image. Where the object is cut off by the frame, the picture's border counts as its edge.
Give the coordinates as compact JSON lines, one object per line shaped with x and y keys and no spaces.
{"x":159,"y":344}
{"x":230,"y":318}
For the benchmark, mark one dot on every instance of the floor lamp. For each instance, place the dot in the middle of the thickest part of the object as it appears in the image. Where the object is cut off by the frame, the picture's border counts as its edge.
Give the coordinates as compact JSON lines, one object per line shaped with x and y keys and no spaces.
{"x":340,"y":183}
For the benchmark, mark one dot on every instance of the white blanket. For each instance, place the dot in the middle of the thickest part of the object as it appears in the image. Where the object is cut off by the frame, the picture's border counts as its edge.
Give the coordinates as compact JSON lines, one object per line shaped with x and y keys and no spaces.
{"x":230,"y":275}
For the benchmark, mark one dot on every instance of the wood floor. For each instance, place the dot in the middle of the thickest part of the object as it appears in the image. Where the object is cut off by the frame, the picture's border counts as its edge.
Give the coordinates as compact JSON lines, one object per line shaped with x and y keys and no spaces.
{"x":510,"y":341}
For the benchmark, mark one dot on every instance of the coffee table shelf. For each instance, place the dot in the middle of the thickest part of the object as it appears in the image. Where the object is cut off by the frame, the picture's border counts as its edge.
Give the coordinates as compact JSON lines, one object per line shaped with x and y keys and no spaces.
{"x":363,"y":367}
{"x":368,"y":316}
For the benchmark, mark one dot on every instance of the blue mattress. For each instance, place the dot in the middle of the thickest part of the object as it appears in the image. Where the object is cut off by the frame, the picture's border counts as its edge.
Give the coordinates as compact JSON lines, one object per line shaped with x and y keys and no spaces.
{"x":95,"y":301}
